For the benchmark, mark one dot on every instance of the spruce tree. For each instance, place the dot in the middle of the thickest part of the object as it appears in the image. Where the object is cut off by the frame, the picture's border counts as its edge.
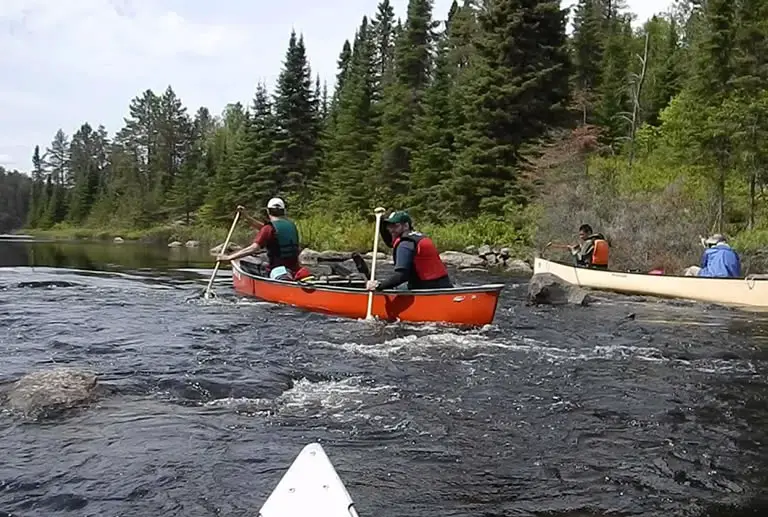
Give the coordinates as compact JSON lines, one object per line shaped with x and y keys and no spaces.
{"x":57,"y":162}
{"x":518,"y":92}
{"x":296,"y":141}
{"x":353,"y":141}
{"x":401,"y":105}
{"x":436,"y":125}
{"x":588,"y":42}
{"x":255,"y":176}
{"x":38,"y":201}
{"x":84,"y":162}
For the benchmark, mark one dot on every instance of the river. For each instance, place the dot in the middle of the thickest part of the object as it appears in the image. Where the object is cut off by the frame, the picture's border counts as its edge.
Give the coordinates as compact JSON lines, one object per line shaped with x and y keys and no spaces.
{"x":630,"y":406}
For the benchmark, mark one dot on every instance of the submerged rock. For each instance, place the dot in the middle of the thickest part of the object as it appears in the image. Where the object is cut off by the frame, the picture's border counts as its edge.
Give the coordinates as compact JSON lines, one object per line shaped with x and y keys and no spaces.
{"x":546,"y":288}
{"x":47,"y":393}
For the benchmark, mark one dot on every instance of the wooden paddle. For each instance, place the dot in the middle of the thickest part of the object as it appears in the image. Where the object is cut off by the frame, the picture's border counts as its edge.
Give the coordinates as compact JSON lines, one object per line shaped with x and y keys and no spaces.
{"x":558,"y":245}
{"x":378,"y":212}
{"x":223,"y":250}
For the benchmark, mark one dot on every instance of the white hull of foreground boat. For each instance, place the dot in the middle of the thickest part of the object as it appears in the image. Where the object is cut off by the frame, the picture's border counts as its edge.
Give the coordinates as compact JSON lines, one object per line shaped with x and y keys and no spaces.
{"x":310,"y":487}
{"x":740,"y":292}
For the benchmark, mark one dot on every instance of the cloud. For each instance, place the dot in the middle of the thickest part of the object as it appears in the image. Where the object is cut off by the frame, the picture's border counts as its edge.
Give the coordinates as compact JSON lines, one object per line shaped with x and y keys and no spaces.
{"x":66,"y":63}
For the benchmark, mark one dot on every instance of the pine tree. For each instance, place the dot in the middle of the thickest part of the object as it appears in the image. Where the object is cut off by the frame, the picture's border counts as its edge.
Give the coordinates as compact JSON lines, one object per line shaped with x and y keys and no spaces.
{"x":57,"y":162}
{"x":298,"y":126}
{"x":614,"y":78}
{"x":436,"y":126}
{"x":520,"y":90}
{"x":401,"y":104}
{"x":175,"y":139}
{"x":383,"y":41}
{"x":664,"y":67}
{"x":38,"y":201}
{"x":218,"y":201}
{"x":343,"y":67}
{"x":255,"y":177}
{"x":588,"y":41}
{"x":85,"y":162}
{"x":353,"y":141}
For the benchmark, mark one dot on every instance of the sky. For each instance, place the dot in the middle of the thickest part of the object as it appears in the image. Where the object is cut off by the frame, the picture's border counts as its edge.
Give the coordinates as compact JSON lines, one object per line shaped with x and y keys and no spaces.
{"x":66,"y":63}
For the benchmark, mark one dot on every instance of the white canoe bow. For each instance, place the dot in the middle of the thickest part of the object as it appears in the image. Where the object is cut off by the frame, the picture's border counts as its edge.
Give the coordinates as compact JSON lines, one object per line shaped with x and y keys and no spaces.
{"x":310,"y":487}
{"x":750,"y":292}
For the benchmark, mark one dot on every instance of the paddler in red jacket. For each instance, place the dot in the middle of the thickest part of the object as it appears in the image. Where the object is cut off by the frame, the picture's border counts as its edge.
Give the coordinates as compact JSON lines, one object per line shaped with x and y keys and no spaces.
{"x":417,"y":261}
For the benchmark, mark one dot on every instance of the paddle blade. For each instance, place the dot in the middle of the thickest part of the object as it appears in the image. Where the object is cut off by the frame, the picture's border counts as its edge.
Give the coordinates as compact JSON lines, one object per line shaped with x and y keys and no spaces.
{"x":311,"y":486}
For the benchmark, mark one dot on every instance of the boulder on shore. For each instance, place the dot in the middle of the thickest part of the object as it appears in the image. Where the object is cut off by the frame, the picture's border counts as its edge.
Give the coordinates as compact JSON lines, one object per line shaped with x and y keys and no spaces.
{"x":47,"y":393}
{"x":192,"y":244}
{"x":118,"y":240}
{"x":546,"y":288}
{"x":174,"y":244}
{"x":309,"y":256}
{"x":519,"y":267}
{"x":462,"y":260}
{"x":230,"y":248}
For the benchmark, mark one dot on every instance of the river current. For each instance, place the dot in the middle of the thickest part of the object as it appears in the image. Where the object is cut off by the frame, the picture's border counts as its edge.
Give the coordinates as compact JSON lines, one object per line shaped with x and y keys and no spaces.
{"x":628,"y":407}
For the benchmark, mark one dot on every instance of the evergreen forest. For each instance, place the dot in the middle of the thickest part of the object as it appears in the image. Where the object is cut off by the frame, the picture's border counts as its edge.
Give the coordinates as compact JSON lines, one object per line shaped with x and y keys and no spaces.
{"x":506,"y":122}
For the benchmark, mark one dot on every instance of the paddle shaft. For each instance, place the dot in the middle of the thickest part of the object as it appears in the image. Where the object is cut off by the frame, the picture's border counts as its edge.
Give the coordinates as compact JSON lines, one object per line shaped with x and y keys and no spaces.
{"x":379,"y":213}
{"x":558,"y":245}
{"x":223,"y":250}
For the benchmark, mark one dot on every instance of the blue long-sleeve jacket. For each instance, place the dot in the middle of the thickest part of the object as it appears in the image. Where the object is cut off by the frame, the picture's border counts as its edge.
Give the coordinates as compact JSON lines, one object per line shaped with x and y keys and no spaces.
{"x":720,"y":261}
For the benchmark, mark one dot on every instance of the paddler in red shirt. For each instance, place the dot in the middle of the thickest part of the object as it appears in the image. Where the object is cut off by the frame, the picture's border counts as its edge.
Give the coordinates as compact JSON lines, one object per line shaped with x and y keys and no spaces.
{"x":279,"y":237}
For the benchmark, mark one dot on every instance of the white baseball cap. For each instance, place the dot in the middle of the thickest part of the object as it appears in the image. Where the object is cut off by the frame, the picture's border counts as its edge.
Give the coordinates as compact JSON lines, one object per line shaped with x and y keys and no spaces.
{"x":276,"y":202}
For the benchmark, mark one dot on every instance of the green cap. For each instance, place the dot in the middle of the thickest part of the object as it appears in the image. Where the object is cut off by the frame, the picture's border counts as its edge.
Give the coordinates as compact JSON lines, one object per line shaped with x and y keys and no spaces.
{"x":398,"y":217}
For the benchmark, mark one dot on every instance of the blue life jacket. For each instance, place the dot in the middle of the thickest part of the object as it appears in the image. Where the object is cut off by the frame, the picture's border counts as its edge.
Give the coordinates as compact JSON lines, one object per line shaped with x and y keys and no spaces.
{"x":720,"y":261}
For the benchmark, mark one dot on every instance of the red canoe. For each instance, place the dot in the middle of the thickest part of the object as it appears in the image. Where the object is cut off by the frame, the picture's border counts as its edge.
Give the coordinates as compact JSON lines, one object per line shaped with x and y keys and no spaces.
{"x":472,"y":305}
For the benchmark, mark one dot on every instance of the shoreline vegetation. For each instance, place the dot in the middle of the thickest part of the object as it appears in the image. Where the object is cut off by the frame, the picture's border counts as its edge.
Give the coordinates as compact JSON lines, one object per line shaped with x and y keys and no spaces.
{"x":491,"y":124}
{"x":323,"y":234}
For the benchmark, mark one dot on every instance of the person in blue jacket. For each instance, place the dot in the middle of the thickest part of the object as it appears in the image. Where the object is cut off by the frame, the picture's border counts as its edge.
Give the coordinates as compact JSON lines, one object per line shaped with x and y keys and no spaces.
{"x":719,"y":260}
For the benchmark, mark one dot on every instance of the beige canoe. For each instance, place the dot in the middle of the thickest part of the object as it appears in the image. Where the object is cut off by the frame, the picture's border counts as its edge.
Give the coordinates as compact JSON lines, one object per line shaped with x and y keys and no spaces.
{"x":744,"y":292}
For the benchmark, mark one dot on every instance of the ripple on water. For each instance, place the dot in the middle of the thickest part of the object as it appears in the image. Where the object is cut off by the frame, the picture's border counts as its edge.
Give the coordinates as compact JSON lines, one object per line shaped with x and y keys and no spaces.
{"x":638,"y":408}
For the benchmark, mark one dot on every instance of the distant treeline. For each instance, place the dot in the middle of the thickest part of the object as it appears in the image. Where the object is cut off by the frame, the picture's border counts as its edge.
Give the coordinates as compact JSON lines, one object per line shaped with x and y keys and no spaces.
{"x":462,"y":116}
{"x":15,"y":190}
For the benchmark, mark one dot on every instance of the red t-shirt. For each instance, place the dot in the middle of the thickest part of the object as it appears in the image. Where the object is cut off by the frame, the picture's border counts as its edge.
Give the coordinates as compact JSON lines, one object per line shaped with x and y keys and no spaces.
{"x":266,"y":237}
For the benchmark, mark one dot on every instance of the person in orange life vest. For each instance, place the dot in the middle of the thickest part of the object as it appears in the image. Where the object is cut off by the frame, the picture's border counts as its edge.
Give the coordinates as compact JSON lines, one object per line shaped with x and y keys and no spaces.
{"x":417,"y":261}
{"x":280,"y":237}
{"x":593,"y":251}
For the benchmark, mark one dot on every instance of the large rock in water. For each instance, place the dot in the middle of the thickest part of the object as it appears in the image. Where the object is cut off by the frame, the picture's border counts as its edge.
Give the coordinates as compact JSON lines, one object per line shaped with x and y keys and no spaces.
{"x":49,"y":392}
{"x":546,"y":288}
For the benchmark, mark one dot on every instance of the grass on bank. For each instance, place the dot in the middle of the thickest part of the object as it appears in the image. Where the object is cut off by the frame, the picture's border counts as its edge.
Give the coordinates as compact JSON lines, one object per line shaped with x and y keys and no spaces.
{"x":345,"y":233}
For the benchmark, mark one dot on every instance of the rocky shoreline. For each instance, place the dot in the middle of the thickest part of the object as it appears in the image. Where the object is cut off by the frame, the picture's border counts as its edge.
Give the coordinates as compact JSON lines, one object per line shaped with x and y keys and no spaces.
{"x":482,"y":259}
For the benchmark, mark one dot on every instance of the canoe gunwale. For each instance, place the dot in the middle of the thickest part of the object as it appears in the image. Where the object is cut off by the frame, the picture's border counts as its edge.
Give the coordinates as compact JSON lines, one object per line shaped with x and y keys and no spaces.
{"x":745,"y":292}
{"x":485,"y":288}
{"x":751,"y":278}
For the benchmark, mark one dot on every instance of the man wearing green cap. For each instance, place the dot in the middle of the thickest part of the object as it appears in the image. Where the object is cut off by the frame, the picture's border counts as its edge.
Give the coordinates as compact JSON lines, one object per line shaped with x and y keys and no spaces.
{"x":417,"y":261}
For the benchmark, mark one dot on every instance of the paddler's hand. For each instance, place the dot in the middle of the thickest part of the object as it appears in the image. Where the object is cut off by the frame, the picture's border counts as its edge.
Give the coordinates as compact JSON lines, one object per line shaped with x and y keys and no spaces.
{"x":241,"y":209}
{"x":371,"y":285}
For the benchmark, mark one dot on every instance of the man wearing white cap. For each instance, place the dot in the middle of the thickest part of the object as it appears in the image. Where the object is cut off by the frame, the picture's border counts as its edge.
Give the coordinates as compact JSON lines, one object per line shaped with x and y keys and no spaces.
{"x":280,"y":237}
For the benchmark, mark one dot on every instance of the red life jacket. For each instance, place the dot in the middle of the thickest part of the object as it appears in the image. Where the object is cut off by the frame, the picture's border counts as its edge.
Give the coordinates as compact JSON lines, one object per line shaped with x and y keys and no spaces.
{"x":427,"y":264}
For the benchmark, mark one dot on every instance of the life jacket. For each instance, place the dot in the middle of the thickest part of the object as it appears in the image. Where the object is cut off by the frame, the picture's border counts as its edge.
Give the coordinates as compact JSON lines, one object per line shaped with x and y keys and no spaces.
{"x":600,"y":250}
{"x":427,"y":265}
{"x":286,"y":245}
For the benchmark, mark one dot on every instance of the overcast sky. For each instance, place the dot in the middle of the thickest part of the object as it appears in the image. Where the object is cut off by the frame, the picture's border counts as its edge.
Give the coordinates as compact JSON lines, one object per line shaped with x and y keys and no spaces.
{"x":66,"y":63}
